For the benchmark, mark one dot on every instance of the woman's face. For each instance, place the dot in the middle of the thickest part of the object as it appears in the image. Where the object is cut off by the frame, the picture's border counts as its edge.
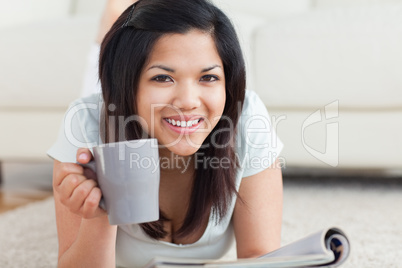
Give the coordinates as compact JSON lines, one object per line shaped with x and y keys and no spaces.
{"x":181,"y":93}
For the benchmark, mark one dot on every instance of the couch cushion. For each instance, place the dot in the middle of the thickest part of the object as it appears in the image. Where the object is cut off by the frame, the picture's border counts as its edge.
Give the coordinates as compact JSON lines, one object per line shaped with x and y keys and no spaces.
{"x":355,"y":139}
{"x":42,"y":64}
{"x":246,"y":24}
{"x":27,"y":134}
{"x":352,"y":55}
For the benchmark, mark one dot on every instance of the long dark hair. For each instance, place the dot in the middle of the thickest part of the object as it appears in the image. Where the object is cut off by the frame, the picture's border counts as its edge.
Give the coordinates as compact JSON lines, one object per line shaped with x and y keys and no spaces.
{"x":124,"y":51}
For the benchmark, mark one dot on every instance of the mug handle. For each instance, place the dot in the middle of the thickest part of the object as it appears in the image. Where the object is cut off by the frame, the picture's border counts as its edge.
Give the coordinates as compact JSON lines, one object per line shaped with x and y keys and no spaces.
{"x":92,"y":165}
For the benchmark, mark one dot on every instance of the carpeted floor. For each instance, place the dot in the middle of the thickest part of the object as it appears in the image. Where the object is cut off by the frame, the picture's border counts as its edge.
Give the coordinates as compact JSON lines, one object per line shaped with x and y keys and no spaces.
{"x":28,"y":236}
{"x":369,"y":211}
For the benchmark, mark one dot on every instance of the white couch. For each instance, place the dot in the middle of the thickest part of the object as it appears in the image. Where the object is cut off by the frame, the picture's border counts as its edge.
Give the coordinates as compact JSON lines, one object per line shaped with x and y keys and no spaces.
{"x":330,"y":77}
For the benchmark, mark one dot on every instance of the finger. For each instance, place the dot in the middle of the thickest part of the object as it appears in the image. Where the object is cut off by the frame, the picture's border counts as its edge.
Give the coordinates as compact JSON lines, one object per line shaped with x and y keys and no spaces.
{"x":84,"y":155}
{"x":62,"y":170}
{"x":90,"y":174}
{"x":68,"y":185}
{"x":91,"y":207}
{"x":79,"y":195}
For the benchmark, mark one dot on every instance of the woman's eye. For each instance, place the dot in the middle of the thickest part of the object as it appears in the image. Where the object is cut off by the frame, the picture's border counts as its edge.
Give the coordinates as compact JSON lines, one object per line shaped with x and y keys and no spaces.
{"x":162,"y":78}
{"x":209,"y":78}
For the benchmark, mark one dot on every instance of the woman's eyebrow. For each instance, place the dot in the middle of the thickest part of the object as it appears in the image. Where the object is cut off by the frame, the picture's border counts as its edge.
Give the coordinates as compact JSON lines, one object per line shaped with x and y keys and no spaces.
{"x":210,"y":68}
{"x":168,"y":69}
{"x":163,"y":67}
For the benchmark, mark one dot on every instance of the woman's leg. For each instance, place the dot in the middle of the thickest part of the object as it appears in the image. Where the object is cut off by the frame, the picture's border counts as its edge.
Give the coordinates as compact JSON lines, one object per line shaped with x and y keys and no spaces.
{"x":112,"y":11}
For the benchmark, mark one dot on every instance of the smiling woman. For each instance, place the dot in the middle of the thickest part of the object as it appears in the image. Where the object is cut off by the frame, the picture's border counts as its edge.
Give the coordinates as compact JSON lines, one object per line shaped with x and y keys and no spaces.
{"x":171,"y":60}
{"x":172,"y":70}
{"x":181,"y":88}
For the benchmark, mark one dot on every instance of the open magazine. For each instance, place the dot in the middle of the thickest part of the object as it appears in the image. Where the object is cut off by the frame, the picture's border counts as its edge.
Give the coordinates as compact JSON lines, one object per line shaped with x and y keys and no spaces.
{"x":326,"y":248}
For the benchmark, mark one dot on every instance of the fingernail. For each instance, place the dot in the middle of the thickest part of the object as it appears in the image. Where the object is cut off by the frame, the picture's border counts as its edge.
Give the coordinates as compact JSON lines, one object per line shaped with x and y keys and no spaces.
{"x":83,"y":157}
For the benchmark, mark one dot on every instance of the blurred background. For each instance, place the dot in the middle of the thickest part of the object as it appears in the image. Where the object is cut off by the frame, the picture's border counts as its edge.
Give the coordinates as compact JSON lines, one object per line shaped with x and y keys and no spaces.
{"x":329,"y":72}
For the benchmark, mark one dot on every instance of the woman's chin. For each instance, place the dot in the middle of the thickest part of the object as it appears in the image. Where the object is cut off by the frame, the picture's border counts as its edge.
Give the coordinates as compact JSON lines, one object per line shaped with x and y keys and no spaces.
{"x":181,"y":150}
{"x":185,"y":152}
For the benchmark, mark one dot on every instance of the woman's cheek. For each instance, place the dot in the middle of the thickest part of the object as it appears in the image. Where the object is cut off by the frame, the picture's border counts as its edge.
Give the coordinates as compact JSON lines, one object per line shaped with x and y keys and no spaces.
{"x":217,"y":102}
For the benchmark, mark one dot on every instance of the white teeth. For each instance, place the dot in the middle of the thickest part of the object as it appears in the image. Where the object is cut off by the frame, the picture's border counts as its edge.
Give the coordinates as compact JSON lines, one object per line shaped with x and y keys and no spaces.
{"x":183,"y":123}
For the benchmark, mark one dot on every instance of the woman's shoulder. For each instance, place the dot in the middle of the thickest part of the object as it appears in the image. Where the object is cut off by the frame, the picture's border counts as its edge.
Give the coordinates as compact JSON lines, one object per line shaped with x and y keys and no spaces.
{"x":80,"y":128}
{"x":89,"y":101}
{"x":254,"y":116}
{"x":86,"y":108}
{"x":252,"y":103}
{"x":257,"y":143}
{"x":83,"y":117}
{"x":254,"y":113}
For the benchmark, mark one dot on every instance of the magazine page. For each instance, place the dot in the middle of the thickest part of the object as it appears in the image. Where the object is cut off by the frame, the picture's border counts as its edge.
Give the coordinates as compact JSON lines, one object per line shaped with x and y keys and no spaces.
{"x":171,"y":262}
{"x":274,"y":262}
{"x":329,"y":247}
{"x":312,"y":244}
{"x":331,"y":242}
{"x":338,"y":243}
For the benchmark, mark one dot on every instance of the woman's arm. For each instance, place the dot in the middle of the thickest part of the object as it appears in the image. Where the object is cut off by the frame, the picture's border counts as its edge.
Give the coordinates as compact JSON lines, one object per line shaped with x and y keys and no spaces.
{"x":257,"y":222}
{"x":85,"y":237}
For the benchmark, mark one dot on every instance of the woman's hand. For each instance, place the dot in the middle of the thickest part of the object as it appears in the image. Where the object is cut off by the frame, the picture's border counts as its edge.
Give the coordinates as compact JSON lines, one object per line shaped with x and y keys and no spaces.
{"x":84,"y":233}
{"x":77,"y":187}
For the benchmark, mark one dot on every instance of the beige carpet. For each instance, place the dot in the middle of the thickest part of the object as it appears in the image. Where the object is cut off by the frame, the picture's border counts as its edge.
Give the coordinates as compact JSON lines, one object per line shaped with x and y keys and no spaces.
{"x":28,"y":236}
{"x":369,"y":212}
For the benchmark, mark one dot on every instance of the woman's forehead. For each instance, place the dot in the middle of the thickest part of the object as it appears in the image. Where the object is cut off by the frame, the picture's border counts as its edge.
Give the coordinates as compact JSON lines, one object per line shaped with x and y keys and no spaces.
{"x":194,"y":46}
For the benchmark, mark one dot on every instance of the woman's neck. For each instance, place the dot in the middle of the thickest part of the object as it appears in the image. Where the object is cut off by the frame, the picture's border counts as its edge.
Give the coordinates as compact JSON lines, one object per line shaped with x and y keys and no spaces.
{"x":172,"y":163}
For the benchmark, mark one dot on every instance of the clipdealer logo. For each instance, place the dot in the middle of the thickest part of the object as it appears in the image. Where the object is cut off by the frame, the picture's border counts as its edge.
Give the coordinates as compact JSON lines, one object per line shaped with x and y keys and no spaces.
{"x":330,"y":114}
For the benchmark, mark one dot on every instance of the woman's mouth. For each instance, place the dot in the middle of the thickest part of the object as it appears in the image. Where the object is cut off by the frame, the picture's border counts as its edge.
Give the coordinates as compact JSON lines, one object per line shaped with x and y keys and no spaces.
{"x":182,"y":123}
{"x":183,"y":126}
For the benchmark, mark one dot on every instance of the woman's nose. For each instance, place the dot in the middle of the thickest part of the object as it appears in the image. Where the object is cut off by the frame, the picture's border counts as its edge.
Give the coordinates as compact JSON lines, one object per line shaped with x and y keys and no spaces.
{"x":187,"y":97}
